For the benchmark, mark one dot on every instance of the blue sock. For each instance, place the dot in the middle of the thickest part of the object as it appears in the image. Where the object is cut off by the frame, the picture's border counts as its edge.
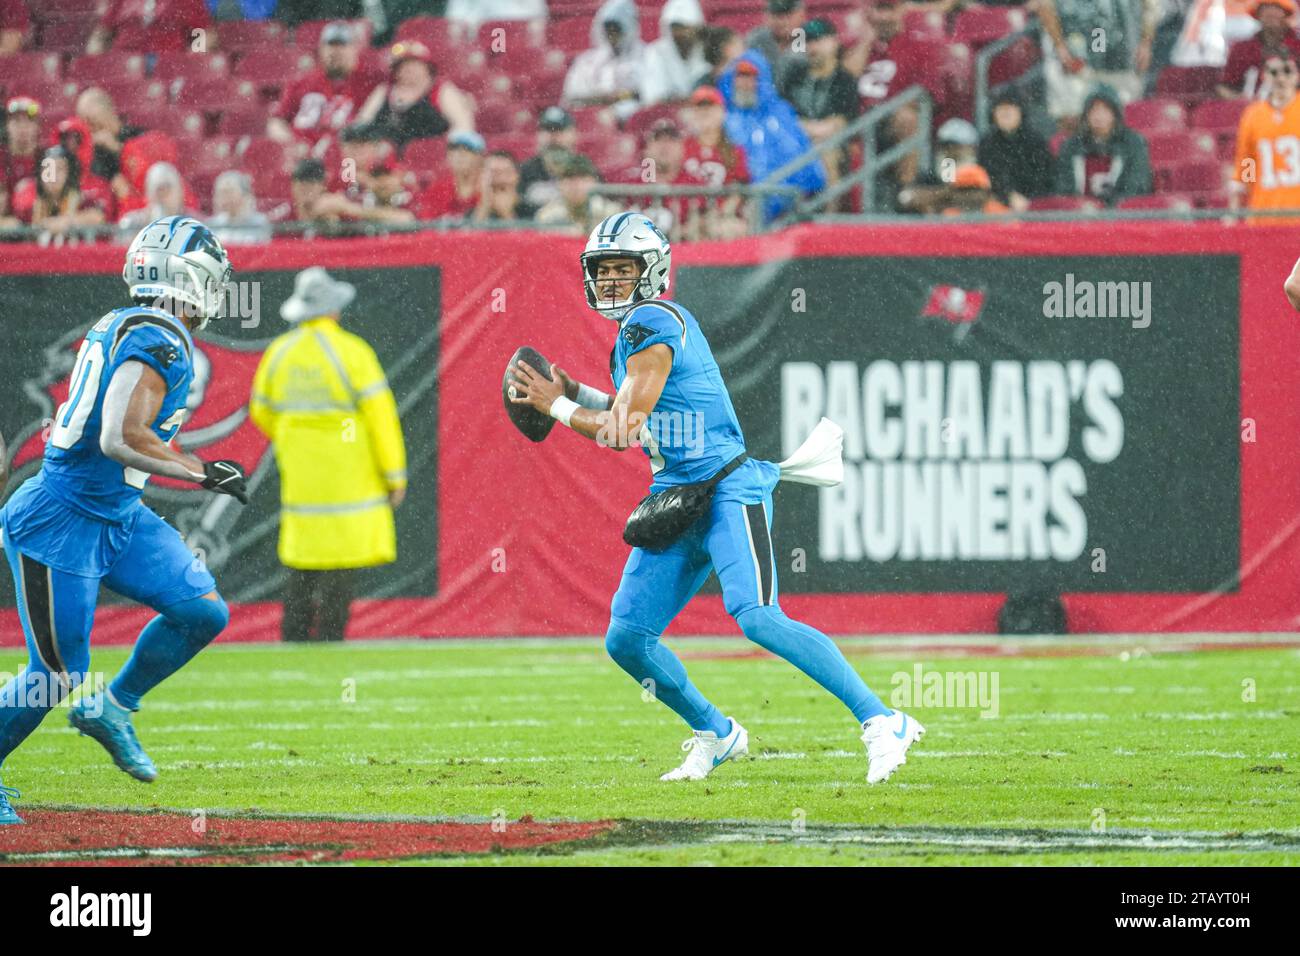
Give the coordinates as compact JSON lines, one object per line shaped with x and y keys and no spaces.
{"x":813,"y":653}
{"x":167,"y":643}
{"x":644,"y":657}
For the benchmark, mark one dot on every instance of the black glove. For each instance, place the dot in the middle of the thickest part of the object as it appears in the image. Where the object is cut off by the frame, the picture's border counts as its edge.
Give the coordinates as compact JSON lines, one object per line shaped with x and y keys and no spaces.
{"x":225,"y":478}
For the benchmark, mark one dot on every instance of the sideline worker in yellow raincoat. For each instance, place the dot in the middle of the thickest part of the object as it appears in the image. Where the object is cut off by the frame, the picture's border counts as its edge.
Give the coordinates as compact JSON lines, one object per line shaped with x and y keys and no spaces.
{"x":321,"y":397}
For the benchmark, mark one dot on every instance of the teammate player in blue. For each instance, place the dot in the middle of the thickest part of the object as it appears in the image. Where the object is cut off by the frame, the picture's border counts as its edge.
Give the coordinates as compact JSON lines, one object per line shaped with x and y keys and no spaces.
{"x":80,"y":521}
{"x":661,"y":364}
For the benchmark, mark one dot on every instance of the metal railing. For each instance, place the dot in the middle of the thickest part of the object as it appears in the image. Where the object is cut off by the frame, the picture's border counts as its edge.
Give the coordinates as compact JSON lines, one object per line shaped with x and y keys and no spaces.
{"x":984,"y":63}
{"x":864,"y":128}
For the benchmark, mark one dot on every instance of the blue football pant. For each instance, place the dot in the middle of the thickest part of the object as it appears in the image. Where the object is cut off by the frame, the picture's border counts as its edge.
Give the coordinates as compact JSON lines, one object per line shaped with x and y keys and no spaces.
{"x":57,"y":611}
{"x":733,"y":539}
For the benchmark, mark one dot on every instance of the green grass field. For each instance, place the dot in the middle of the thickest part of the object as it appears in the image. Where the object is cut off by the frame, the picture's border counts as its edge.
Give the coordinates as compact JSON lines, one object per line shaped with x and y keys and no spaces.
{"x":1106,"y":758}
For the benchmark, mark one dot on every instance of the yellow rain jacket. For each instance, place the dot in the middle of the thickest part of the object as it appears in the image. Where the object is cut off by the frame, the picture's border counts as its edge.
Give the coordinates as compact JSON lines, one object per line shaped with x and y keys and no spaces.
{"x":321,"y":397}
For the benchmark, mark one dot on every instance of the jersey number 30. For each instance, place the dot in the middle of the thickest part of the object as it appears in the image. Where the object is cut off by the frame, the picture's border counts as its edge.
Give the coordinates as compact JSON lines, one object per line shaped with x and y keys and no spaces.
{"x":83,"y":387}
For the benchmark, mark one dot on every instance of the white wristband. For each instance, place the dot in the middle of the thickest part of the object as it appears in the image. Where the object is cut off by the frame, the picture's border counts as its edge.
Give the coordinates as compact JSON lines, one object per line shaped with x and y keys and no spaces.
{"x":592,"y":398}
{"x":562,"y":409}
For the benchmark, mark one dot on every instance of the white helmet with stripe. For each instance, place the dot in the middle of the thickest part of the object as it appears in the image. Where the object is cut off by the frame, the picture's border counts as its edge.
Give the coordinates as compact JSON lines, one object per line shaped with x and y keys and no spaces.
{"x":177,"y":263}
{"x":623,"y":236}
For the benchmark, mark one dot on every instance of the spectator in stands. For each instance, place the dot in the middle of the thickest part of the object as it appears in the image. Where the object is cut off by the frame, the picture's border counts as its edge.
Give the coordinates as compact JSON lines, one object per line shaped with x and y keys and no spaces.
{"x":1074,"y":60}
{"x":576,"y":207}
{"x":1105,"y":160}
{"x":674,"y":63}
{"x":610,"y":73}
{"x":887,"y":61}
{"x":775,"y":40}
{"x":321,"y":102}
{"x":956,"y":144}
{"x":710,"y":159}
{"x":109,"y":132}
{"x":722,"y":47}
{"x":1242,"y":75}
{"x":1265,"y":176}
{"x":58,"y":203}
{"x":499,"y":199}
{"x":557,"y":136}
{"x":414,"y":103}
{"x":456,"y":195}
{"x":241,"y":9}
{"x":823,"y":93}
{"x":768,"y":129}
{"x":314,"y":203}
{"x":15,"y":25}
{"x":165,"y":193}
{"x":21,"y":149}
{"x":235,"y":219}
{"x":1018,"y":160}
{"x":971,"y":191}
{"x":153,"y":26}
{"x":389,"y":197}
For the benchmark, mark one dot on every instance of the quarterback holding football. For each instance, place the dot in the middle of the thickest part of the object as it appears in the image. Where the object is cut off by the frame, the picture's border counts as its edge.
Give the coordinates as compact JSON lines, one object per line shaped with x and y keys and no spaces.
{"x":710,"y":504}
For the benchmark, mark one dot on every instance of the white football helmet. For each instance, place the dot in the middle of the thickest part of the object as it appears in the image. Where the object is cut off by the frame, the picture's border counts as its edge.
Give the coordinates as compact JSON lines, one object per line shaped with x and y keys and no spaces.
{"x":178,"y":263}
{"x":622,"y":236}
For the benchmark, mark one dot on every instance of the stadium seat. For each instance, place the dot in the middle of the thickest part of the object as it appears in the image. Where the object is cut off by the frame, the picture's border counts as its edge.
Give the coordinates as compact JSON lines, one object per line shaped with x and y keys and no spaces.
{"x":240,"y":35}
{"x":265,"y":156}
{"x":504,"y":36}
{"x":1180,"y":146}
{"x":67,"y":35}
{"x":179,"y":123}
{"x":1155,"y":114}
{"x":1064,"y":204}
{"x":242,"y":120}
{"x":272,"y":69}
{"x":1191,"y":84}
{"x":1013,"y":62}
{"x":1168,"y":201}
{"x":190,"y":66}
{"x":17,"y":69}
{"x":572,"y":35}
{"x":1198,"y":176}
{"x":979,"y":25}
{"x":92,"y":70}
{"x":209,"y":93}
{"x":1218,"y":115}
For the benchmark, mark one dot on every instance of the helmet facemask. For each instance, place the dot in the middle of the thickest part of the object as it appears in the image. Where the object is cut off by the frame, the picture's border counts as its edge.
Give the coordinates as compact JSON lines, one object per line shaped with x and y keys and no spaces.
{"x":642,"y":290}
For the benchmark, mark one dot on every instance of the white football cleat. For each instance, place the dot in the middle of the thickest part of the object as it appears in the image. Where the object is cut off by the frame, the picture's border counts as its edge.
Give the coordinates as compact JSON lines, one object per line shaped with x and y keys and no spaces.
{"x":706,"y":750}
{"x":887,"y":737}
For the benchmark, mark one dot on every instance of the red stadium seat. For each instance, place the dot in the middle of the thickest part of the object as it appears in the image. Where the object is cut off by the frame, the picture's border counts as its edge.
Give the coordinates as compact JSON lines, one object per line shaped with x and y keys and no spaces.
{"x":1188,"y":83}
{"x":180,"y":124}
{"x":1219,"y":115}
{"x":180,"y":65}
{"x":1155,"y":114}
{"x":1014,"y":61}
{"x":272,"y":69}
{"x":307,"y":36}
{"x":572,"y":35}
{"x":139,"y":99}
{"x":1064,"y":204}
{"x":242,"y":120}
{"x":503,"y":36}
{"x":92,"y":70}
{"x":57,"y":97}
{"x":210,"y":93}
{"x":67,"y":35}
{"x":979,"y":25}
{"x":1180,"y":146}
{"x":212,"y":153}
{"x":1198,"y":176}
{"x":17,"y":69}
{"x":519,"y":145}
{"x":265,"y":157}
{"x":1168,"y":201}
{"x":238,"y":35}
{"x":501,"y":116}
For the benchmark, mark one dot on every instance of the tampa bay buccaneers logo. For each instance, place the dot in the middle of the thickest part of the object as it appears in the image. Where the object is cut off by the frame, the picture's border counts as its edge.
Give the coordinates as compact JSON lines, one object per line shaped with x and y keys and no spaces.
{"x":216,"y":426}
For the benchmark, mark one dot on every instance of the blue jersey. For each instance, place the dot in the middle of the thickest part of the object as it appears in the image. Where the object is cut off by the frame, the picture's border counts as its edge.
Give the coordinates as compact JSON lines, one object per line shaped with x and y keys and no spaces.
{"x":75,"y":471}
{"x":693,"y":431}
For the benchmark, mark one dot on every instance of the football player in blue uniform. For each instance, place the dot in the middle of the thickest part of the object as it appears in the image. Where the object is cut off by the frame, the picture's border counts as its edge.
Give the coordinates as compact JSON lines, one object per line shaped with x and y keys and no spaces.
{"x":670,"y":399}
{"x":80,"y":522}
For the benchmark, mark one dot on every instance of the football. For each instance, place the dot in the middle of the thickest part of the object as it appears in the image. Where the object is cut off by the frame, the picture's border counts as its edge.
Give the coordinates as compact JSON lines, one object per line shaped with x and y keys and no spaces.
{"x":533,"y":424}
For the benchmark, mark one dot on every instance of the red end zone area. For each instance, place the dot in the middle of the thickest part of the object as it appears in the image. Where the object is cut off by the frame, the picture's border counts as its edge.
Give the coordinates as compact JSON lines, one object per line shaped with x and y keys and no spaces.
{"x":505,"y":546}
{"x":116,"y":838}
